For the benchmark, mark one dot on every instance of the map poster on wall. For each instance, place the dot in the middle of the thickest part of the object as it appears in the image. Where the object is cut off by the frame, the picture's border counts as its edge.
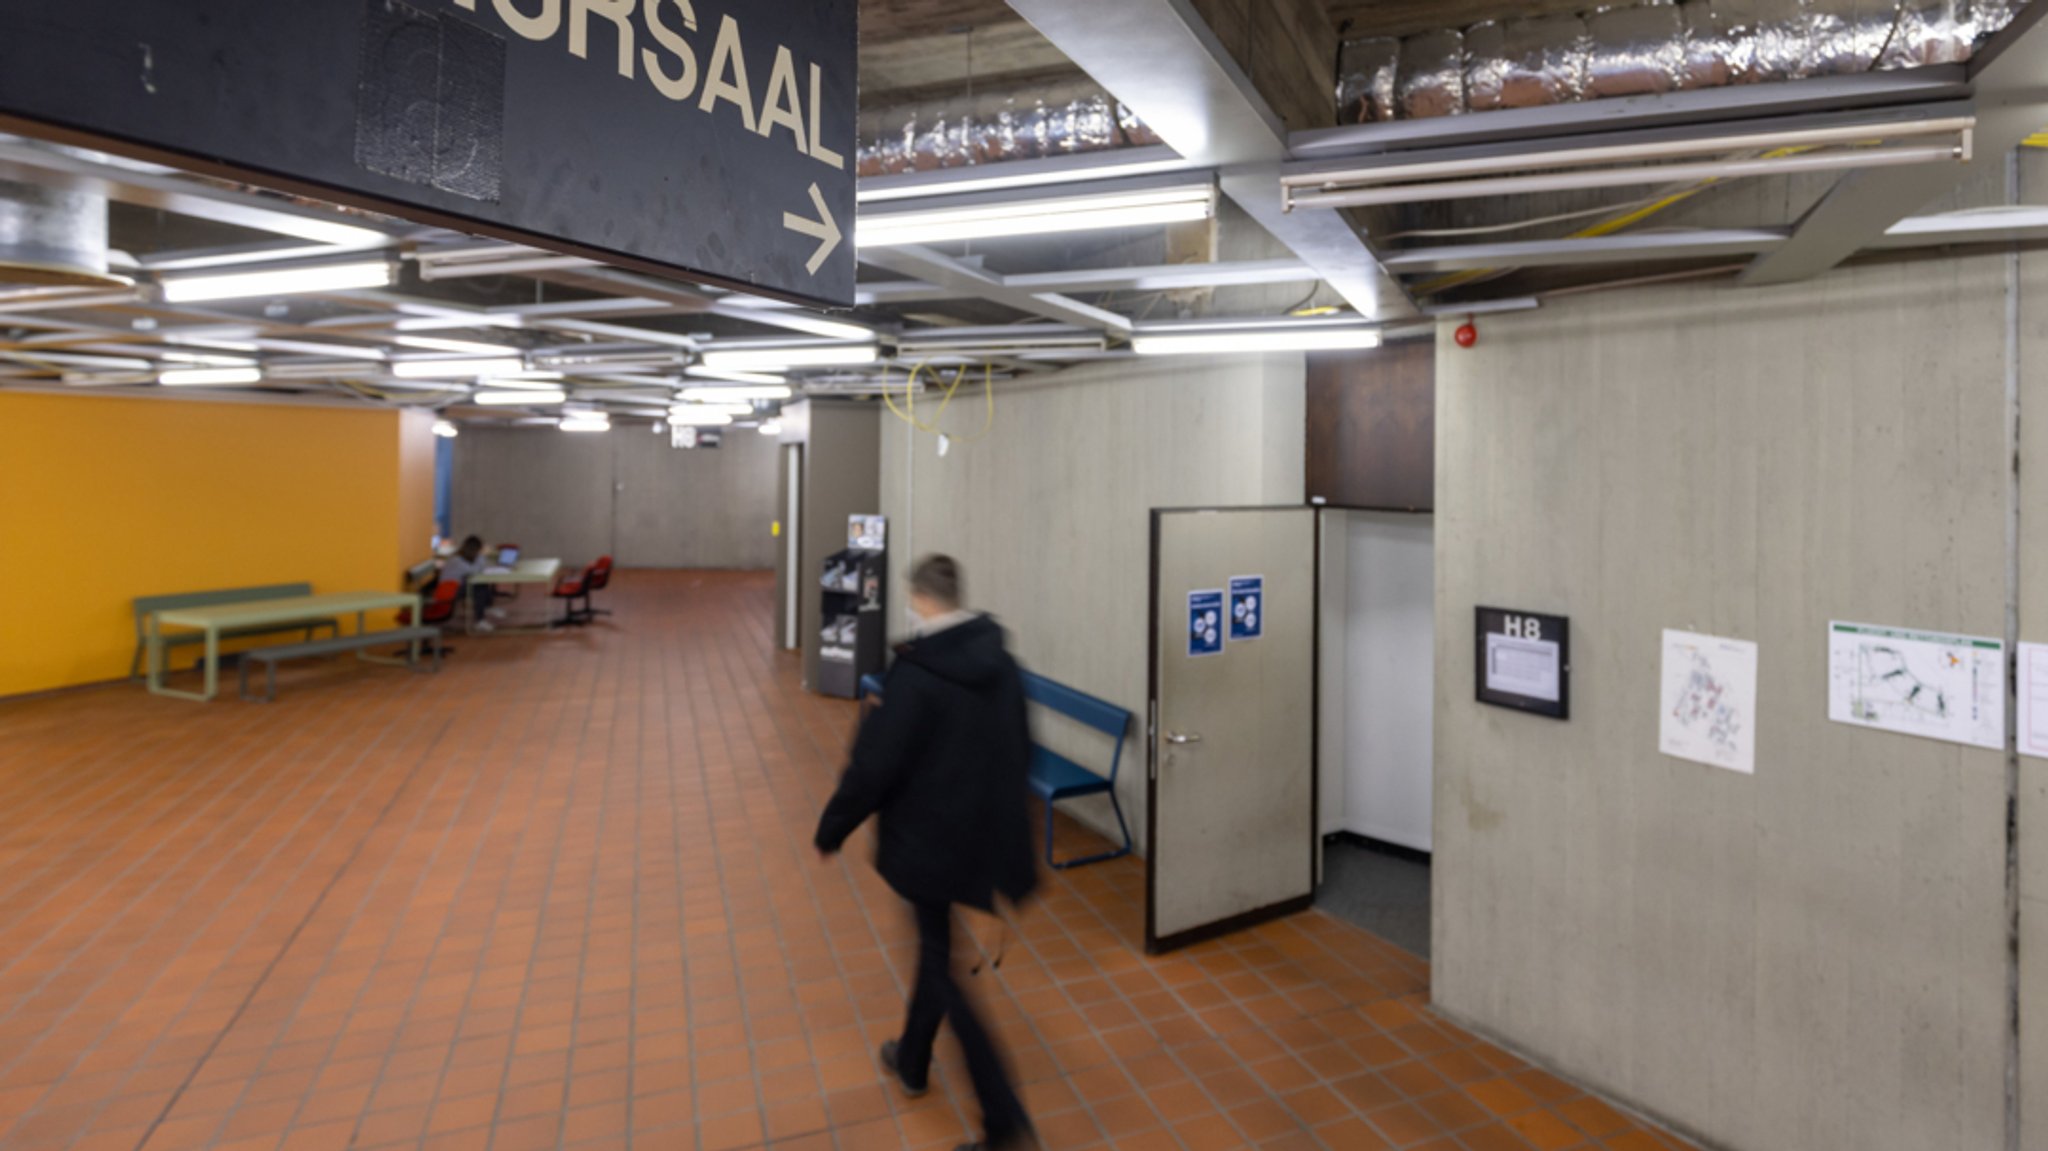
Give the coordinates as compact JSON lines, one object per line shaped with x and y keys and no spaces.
{"x":1709,"y":700}
{"x":2033,"y":697}
{"x":1925,"y":683}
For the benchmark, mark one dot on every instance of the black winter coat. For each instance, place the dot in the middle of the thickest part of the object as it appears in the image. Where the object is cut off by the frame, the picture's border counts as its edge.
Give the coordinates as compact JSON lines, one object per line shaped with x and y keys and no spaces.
{"x":944,"y":762}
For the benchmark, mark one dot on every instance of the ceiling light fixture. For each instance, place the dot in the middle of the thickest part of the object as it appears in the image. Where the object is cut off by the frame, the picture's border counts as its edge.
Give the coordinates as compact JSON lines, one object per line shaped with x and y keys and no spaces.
{"x":1255,"y":340}
{"x":458,"y":369}
{"x":756,"y":359}
{"x":201,"y":376}
{"x":741,"y":392}
{"x":510,"y":398}
{"x":1028,"y":174}
{"x":285,"y":282}
{"x":446,"y":430}
{"x":724,"y":409}
{"x":586,"y":422}
{"x":460,"y":347}
{"x":707,"y":418}
{"x":1131,"y":209}
{"x":772,"y":428}
{"x":735,"y":377}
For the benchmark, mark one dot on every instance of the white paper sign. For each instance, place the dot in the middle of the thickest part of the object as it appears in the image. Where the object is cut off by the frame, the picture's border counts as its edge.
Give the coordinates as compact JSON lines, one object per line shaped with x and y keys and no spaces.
{"x":2033,"y":699}
{"x":1709,"y":700}
{"x":1519,"y":666}
{"x":1929,"y":684}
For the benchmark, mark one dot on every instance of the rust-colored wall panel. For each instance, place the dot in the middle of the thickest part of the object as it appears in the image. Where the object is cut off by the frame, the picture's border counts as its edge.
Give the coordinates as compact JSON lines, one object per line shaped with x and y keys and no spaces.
{"x":1372,"y":427}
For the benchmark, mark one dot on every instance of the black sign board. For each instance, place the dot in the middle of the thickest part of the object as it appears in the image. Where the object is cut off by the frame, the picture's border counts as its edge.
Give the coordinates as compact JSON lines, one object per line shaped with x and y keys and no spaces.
{"x":1524,"y":661}
{"x":710,"y":138}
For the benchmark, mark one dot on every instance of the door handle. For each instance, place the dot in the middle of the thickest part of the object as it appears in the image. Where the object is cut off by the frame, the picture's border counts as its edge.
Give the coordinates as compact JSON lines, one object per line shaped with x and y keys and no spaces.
{"x":1175,"y":737}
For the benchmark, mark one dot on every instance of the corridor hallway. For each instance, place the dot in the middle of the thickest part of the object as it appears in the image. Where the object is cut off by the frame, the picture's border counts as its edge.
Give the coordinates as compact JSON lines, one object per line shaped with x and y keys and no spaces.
{"x":563,"y":895}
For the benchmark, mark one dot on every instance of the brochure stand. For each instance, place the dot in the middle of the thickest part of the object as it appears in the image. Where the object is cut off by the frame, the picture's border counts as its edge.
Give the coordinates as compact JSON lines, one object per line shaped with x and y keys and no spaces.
{"x":855,"y":619}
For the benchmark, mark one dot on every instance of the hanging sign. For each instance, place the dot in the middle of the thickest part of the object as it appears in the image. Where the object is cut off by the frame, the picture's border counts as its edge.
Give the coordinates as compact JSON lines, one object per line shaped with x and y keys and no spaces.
{"x":1524,"y":661}
{"x":1205,"y":623}
{"x":708,"y":138}
{"x":1247,"y":607}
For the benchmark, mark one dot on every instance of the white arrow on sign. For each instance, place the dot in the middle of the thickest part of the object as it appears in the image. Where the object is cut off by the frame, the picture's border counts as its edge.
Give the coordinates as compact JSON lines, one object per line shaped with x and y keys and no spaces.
{"x":824,"y":229}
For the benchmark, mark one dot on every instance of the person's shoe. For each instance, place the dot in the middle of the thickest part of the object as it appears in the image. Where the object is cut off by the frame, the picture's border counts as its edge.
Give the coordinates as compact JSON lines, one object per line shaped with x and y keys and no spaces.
{"x":495,"y":612}
{"x":486,"y":625}
{"x":888,"y":1056}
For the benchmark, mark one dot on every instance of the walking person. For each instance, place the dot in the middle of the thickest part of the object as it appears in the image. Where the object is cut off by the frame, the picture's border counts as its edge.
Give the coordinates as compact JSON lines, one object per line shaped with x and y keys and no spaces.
{"x":943,"y":763}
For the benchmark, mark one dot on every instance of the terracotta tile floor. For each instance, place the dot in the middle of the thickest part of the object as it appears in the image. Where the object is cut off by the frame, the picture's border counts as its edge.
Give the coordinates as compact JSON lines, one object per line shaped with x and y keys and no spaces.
{"x":562,"y":896}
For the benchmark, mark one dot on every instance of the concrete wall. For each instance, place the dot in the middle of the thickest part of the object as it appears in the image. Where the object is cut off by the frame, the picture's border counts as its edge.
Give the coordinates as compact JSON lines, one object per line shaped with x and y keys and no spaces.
{"x":1812,"y":957}
{"x":625,"y":492}
{"x":1051,"y":512}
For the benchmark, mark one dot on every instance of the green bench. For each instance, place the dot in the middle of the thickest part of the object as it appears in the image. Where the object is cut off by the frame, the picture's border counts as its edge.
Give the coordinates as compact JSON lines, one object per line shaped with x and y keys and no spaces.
{"x":362,"y":641}
{"x":146,"y":606}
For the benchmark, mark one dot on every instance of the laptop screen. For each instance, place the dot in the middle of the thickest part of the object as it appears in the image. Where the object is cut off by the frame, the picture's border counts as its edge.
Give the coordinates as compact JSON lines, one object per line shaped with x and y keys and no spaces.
{"x":508,"y":555}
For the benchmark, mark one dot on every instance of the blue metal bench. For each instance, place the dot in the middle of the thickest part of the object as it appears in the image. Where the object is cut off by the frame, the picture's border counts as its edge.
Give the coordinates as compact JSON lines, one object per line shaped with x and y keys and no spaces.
{"x":1055,"y":777}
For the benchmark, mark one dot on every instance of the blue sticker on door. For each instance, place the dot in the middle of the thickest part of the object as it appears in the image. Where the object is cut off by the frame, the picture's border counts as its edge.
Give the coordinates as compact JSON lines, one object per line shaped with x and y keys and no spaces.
{"x":1205,"y":623}
{"x":1247,"y":607}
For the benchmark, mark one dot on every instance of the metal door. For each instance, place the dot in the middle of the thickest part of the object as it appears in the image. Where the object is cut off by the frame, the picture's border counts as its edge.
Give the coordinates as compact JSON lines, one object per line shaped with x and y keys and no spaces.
{"x":1233,"y":733}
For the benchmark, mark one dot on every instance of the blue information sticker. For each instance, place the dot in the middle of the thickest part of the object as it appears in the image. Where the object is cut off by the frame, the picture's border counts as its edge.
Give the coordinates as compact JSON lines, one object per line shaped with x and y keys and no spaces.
{"x":1205,"y":623}
{"x":1247,"y":607}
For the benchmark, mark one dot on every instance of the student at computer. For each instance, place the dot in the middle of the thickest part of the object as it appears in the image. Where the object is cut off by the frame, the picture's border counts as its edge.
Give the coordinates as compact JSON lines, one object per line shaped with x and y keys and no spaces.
{"x":467,"y":561}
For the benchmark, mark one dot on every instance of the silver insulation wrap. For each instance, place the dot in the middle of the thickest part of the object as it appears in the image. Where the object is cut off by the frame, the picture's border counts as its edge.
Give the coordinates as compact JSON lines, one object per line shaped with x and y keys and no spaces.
{"x":1652,"y":47}
{"x":993,"y":126}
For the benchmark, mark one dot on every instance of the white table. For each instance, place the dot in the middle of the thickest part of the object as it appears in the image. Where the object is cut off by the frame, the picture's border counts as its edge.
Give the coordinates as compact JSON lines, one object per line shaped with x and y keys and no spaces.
{"x":526,"y":571}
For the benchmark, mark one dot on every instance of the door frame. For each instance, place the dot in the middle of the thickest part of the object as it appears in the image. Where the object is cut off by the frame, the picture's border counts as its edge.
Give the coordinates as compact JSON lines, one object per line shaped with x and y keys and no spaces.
{"x":1154,"y":945}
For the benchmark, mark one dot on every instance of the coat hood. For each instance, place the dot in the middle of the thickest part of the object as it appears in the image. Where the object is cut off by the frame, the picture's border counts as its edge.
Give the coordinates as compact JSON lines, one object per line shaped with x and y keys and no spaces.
{"x":970,"y":654}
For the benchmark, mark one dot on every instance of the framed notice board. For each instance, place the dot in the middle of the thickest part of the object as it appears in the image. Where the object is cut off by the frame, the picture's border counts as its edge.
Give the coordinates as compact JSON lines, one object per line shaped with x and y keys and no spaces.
{"x":1523,"y":661}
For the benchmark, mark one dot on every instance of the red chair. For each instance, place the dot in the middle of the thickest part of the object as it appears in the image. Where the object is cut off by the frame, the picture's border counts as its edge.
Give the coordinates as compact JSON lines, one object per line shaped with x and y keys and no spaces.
{"x":437,"y":603}
{"x":572,"y":588}
{"x":600,"y":578}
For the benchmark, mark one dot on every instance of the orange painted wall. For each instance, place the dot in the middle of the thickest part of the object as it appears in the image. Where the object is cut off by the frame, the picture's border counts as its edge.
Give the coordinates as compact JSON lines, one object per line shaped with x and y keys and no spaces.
{"x":103,"y":499}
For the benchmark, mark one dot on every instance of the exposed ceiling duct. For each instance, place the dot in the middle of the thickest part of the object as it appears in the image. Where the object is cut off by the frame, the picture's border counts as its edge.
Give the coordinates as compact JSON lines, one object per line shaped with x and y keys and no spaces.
{"x":1019,"y":122}
{"x":1650,"y":48}
{"x":53,"y":237}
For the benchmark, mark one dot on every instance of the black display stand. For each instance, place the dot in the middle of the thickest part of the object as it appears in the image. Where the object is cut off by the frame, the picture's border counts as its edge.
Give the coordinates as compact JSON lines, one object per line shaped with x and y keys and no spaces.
{"x":855,"y":639}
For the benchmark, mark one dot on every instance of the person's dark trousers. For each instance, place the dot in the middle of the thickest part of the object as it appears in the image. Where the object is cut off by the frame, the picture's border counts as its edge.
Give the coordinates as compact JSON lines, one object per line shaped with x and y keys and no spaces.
{"x":480,"y":597}
{"x":938,"y":998}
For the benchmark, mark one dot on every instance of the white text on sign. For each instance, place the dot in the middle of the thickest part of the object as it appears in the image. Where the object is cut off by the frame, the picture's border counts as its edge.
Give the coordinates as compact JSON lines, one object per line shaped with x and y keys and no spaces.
{"x":674,"y":69}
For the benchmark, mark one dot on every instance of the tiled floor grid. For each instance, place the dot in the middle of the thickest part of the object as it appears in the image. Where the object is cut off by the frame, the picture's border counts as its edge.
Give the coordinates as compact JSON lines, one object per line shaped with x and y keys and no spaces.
{"x":562,"y":895}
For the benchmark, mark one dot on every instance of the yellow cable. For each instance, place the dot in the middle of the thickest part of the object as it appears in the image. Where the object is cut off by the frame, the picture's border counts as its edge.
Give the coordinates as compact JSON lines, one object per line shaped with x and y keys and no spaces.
{"x":908,"y":413}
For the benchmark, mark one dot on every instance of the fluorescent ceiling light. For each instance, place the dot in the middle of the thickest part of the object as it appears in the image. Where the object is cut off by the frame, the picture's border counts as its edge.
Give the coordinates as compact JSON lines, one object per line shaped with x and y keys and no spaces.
{"x":1039,"y":217}
{"x":586,"y":422}
{"x":708,"y":418}
{"x":240,"y":285}
{"x":1040,"y":177}
{"x":735,"y":377}
{"x":460,"y":347}
{"x":755,"y":359}
{"x":742,"y":392}
{"x":446,"y":430}
{"x":519,"y":379}
{"x":1266,"y":340}
{"x":191,"y":376}
{"x":772,"y":428}
{"x":209,"y":360}
{"x":726,"y":409}
{"x":509,"y":398}
{"x":457,"y":369}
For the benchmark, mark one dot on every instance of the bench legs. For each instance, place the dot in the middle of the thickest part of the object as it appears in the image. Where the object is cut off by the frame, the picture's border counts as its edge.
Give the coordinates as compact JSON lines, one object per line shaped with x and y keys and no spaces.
{"x":1113,"y":853}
